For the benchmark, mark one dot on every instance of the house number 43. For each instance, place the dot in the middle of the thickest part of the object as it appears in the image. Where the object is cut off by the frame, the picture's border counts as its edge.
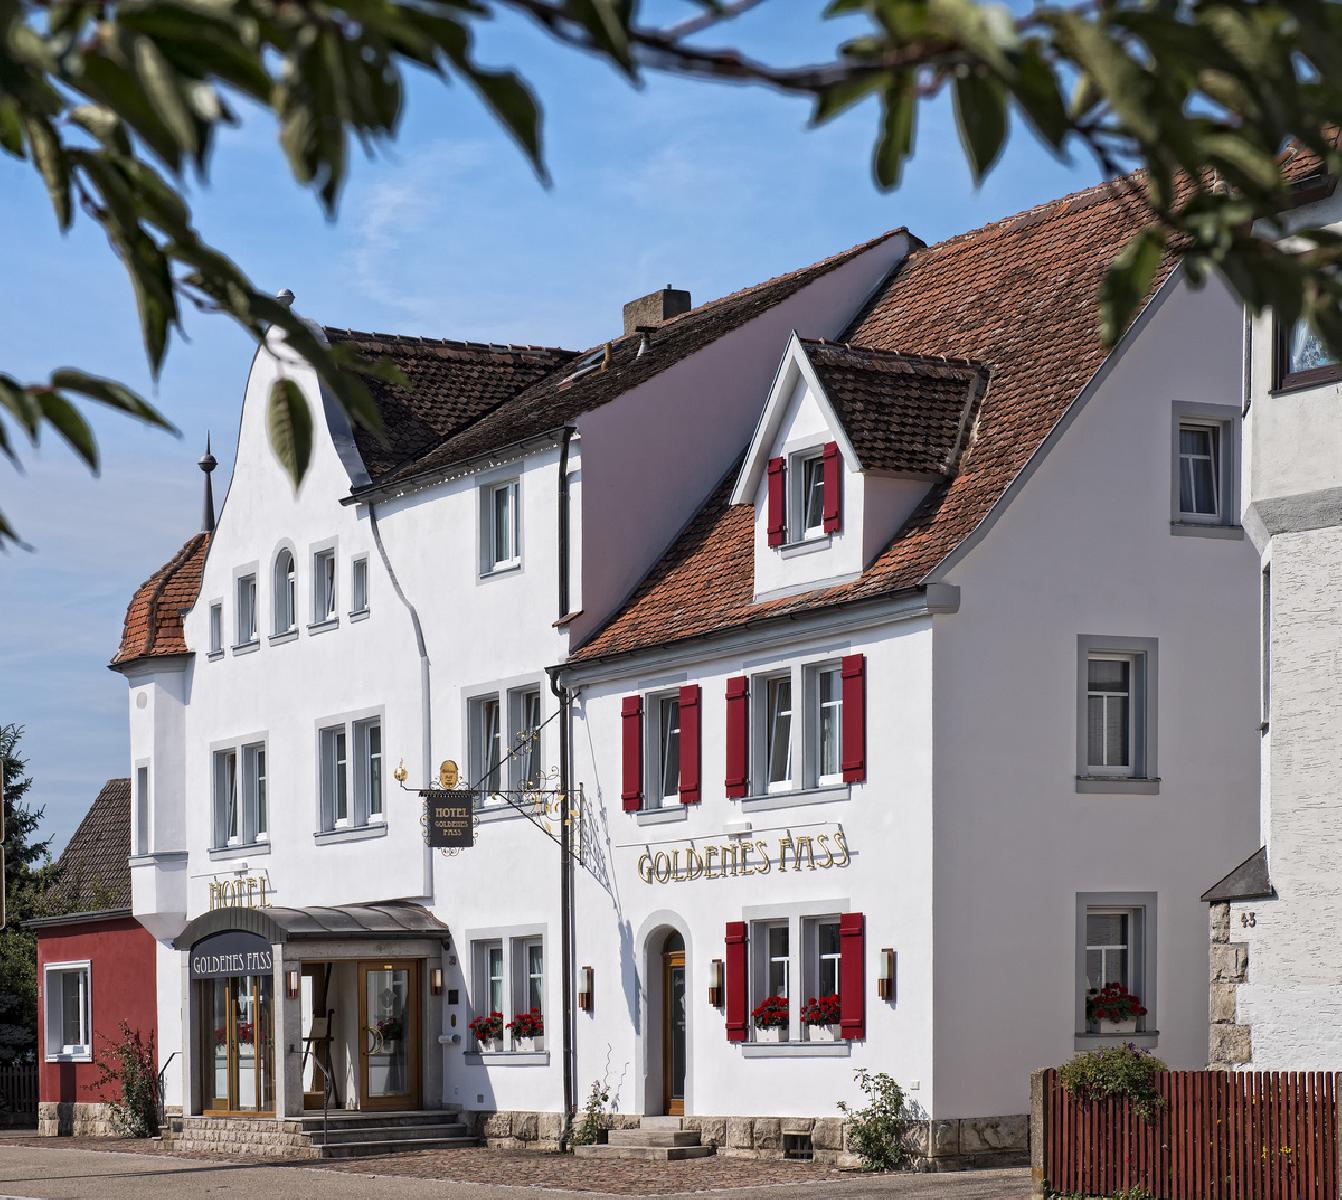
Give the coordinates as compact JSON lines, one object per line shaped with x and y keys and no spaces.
{"x":1248,"y":920}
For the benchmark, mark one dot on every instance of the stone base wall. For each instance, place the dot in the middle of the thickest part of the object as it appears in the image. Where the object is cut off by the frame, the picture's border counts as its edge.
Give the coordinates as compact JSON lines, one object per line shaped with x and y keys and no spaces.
{"x":74,"y":1118}
{"x":1229,"y":1042}
{"x":243,"y":1137}
{"x":949,"y":1145}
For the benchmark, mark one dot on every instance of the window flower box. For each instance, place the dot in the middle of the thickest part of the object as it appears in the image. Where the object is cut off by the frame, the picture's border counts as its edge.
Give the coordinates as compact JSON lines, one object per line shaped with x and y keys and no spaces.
{"x":1113,"y":1009}
{"x":528,"y":1031}
{"x":488,"y":1032}
{"x":770,"y":1019}
{"x":820,"y":1016}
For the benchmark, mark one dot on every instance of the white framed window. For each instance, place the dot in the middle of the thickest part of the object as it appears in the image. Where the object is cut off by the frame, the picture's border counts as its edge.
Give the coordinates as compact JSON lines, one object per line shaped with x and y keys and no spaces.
{"x":334,"y":749}
{"x":484,"y":721}
{"x":323,"y":586}
{"x":227,"y":801}
{"x":68,"y":1010}
{"x":286,"y":614}
{"x":530,"y":975}
{"x":1199,"y":471}
{"x":241,"y":802}
{"x":806,"y":518}
{"x":358,"y":585}
{"x":776,"y":740}
{"x":500,"y":527}
{"x":217,"y":628}
{"x":507,"y":972}
{"x":1116,"y":944}
{"x":1204,"y":491}
{"x":664,"y":761}
{"x":770,"y":964}
{"x":822,"y":956}
{"x":256,"y":810}
{"x":368,"y":770}
{"x":246,"y":631}
{"x":489,"y":978}
{"x":524,"y":739}
{"x":1116,"y":714}
{"x":141,"y":810}
{"x":826,"y":711}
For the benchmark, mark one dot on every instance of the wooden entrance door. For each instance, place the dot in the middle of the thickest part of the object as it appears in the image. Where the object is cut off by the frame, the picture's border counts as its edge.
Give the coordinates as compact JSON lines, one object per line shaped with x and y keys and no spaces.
{"x":389,"y":1034}
{"x":673,"y":1031}
{"x":237,"y":1064}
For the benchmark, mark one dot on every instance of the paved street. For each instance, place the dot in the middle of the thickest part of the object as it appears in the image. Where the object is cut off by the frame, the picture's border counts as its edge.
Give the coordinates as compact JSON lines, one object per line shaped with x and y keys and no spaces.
{"x":29,"y":1172}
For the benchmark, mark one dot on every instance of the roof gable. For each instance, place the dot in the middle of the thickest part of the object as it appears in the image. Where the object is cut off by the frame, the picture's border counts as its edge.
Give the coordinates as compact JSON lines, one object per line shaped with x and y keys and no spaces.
{"x":92,"y":873}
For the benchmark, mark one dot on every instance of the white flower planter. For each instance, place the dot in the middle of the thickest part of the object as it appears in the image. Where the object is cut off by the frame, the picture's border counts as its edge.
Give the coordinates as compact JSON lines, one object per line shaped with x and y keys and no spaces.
{"x":770,"y":1033}
{"x":1128,"y":1025}
{"x":489,"y":1045}
{"x":529,"y":1045}
{"x":823,"y":1033}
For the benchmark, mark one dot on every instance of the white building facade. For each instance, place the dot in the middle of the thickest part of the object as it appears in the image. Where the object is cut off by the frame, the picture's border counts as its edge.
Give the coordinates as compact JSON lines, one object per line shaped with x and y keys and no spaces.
{"x":929,"y":714}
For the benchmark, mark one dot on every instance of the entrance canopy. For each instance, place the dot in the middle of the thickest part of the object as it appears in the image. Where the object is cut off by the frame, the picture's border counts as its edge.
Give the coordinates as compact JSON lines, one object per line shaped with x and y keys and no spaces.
{"x":391,"y":919}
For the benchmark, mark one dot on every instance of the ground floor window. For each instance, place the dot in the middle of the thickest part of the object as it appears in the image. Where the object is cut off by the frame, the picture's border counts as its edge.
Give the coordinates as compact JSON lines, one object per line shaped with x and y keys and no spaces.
{"x":508,"y":992}
{"x":68,"y":1030}
{"x":237,"y":1040}
{"x":1116,"y":963}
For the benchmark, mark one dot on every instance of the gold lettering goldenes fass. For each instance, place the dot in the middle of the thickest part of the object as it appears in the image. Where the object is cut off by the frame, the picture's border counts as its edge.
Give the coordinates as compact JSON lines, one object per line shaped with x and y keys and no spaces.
{"x":733,"y":859}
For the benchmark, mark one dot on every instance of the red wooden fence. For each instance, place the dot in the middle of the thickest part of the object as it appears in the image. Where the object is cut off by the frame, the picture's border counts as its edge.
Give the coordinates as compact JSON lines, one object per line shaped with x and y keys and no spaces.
{"x":1261,"y":1135}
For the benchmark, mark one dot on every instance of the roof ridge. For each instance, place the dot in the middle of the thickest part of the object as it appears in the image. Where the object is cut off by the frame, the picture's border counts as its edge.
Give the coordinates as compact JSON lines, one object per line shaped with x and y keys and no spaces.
{"x":432,"y":343}
{"x":897,"y":355}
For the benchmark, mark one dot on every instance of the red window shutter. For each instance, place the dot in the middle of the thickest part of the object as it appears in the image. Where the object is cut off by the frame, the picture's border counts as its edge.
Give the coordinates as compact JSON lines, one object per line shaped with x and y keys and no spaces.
{"x":738,"y":1011}
{"x":631,"y":722}
{"x":852,"y":976}
{"x":690,"y":756}
{"x":854,"y":670}
{"x":777,"y":501}
{"x":738,"y":736}
{"x":833,"y":488}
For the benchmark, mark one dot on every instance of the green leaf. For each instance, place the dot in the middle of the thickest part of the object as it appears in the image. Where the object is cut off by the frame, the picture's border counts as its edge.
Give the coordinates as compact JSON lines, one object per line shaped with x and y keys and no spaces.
{"x":839,"y":97}
{"x":164,"y":91}
{"x":514,"y":104}
{"x":980,"y":113}
{"x":112,"y":394}
{"x":11,"y":130}
{"x":1035,"y":86}
{"x":895,"y":141}
{"x":1128,"y":281}
{"x":289,"y":423}
{"x":49,"y":158}
{"x":69,"y":424}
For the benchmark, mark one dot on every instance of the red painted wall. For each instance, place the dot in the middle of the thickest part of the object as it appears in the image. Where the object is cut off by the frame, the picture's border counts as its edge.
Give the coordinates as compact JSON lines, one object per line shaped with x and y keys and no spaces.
{"x":122,"y":987}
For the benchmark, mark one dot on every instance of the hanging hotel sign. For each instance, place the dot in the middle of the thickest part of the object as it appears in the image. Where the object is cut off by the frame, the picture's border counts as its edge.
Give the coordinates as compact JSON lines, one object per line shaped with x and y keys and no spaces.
{"x":245,"y":891}
{"x":735,"y":857}
{"x":449,"y":818}
{"x":233,"y":952}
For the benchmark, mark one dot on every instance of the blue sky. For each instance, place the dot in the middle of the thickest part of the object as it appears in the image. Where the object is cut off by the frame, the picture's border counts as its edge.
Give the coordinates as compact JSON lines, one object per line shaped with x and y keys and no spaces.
{"x":447,"y":234}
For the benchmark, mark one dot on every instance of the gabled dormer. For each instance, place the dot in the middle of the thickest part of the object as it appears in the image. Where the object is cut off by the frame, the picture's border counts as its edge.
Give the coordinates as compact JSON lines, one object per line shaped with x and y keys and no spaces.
{"x":849,"y":442}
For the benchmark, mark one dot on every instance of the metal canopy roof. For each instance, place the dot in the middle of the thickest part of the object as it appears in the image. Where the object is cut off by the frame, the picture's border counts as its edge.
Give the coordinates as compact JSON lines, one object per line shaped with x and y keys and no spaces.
{"x":387,"y":919}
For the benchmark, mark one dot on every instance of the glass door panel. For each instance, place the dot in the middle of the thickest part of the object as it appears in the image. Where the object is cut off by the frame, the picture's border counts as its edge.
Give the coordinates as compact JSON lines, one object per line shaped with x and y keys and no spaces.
{"x":389,"y":1024}
{"x":237,"y":1047}
{"x":673,"y":1034}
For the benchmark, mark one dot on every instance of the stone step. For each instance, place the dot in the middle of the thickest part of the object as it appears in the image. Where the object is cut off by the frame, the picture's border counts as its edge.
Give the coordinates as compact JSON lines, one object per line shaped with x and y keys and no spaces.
{"x":653,"y":1137}
{"x":337,"y":1134}
{"x":406,"y":1146}
{"x":645,"y":1153}
{"x":661,"y":1122}
{"x":353,"y":1119}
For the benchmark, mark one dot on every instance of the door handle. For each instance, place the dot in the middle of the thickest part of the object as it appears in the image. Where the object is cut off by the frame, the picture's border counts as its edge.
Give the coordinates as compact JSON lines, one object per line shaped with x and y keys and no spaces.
{"x":375,"y":1045}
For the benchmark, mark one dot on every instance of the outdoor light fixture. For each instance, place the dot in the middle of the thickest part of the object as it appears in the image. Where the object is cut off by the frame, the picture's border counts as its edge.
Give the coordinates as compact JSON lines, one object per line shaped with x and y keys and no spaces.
{"x":292,"y":980}
{"x":436,"y":980}
{"x":715,"y":983}
{"x":885,"y":985}
{"x":585,"y":989}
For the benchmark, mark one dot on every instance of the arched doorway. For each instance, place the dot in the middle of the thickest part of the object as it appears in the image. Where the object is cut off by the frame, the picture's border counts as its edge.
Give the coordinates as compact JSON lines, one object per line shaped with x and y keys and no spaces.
{"x":673,"y":1028}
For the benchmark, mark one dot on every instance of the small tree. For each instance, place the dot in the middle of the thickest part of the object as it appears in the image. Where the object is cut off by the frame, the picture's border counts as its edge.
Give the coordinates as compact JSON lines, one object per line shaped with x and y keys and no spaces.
{"x":131,"y":1065}
{"x":876,"y":1130}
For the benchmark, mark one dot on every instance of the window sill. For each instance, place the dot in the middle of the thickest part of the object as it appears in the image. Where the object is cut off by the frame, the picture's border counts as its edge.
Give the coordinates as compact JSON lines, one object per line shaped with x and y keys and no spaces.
{"x":662,"y":816}
{"x":1303,"y":381}
{"x":278,"y":639}
{"x":508,"y":568}
{"x":70,"y":1058}
{"x":1146,"y":1040}
{"x":323,"y":626}
{"x":355,"y":833}
{"x":796,"y":1049}
{"x":809,"y":546}
{"x":359,"y":614}
{"x":509,"y":1058}
{"x":246,"y":647}
{"x":1207,"y":529}
{"x":816,"y":795}
{"x":156,"y":858}
{"x":215,"y":655}
{"x":221,"y":853}
{"x":1117,"y":785}
{"x":498,"y":810}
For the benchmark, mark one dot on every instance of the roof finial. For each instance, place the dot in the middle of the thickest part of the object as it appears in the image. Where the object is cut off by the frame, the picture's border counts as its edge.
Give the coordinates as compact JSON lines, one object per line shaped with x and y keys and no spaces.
{"x":207,"y":464}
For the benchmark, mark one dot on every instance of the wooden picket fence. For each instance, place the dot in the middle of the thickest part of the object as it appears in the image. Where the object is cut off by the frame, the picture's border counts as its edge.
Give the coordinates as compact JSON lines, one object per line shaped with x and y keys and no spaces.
{"x":18,"y":1089}
{"x":1261,"y":1135}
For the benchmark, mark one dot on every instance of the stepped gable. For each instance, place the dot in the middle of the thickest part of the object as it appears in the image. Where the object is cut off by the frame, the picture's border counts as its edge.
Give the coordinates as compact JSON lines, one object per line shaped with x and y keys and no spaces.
{"x":1017,"y":296}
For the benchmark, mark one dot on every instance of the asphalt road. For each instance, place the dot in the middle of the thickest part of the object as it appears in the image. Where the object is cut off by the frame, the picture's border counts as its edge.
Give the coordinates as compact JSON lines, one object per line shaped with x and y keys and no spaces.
{"x":41,"y":1173}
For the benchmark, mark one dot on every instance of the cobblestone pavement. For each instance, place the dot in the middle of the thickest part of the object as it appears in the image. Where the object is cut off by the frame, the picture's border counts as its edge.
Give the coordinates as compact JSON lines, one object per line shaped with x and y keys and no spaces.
{"x":124,"y":1170}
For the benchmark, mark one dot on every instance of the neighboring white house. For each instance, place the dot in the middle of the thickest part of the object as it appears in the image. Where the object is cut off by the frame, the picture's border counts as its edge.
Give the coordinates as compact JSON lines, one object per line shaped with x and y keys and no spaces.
{"x":1276,"y":967}
{"x":937,"y":704}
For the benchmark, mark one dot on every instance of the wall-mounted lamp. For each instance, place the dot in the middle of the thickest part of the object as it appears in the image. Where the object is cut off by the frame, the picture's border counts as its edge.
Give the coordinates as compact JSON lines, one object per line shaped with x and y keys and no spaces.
{"x":585,"y":989}
{"x":885,"y":984}
{"x":715,"y":983}
{"x":292,"y":982}
{"x":436,"y":981}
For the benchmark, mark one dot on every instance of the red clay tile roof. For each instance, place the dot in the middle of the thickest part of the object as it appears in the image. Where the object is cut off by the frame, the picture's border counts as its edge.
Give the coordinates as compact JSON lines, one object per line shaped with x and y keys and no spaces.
{"x":451,"y":385}
{"x":153,"y":625}
{"x":92,"y":874}
{"x":902,"y":412}
{"x":565,"y":393}
{"x":1018,"y":296}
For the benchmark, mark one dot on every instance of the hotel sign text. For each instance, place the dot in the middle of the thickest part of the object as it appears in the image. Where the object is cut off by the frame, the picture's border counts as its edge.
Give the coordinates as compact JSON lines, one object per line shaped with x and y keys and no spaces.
{"x":737,"y":857}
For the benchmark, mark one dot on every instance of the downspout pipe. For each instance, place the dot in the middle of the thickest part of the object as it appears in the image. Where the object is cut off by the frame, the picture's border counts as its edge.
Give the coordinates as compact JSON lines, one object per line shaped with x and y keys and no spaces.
{"x":566,"y":906}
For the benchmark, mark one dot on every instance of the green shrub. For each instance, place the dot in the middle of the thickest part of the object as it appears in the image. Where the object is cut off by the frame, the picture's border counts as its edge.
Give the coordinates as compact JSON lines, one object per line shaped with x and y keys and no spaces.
{"x":1119,"y":1072}
{"x":132,"y":1064}
{"x":876,"y":1131}
{"x":587,"y":1129}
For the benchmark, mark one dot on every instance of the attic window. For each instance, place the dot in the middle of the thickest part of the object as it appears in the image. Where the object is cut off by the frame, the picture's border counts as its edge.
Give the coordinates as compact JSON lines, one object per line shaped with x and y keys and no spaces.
{"x":588,"y":363}
{"x":808,"y":508}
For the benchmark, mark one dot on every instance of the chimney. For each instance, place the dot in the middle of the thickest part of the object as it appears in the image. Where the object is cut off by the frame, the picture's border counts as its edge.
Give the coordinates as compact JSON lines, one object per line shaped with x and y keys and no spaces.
{"x":655,"y":308}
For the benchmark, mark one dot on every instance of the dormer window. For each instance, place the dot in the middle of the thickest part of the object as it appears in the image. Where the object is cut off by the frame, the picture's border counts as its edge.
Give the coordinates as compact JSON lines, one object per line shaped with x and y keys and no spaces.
{"x":809,"y":505}
{"x":804,"y":495}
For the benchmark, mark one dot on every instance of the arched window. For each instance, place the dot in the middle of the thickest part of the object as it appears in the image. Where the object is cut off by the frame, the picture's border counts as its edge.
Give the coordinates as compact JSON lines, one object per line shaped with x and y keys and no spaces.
{"x":284,"y":592}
